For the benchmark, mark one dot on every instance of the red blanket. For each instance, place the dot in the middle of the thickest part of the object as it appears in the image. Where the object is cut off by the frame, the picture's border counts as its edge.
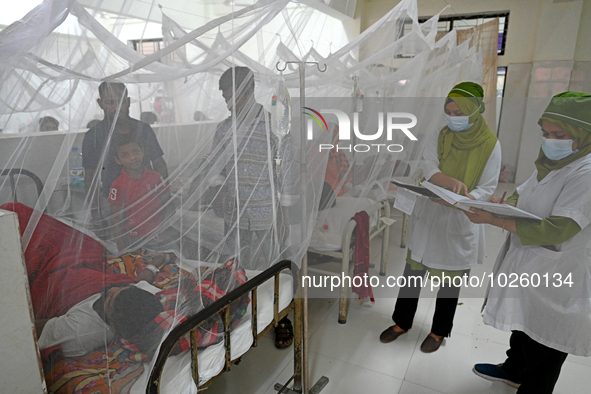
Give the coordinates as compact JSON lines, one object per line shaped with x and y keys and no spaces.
{"x":64,"y":265}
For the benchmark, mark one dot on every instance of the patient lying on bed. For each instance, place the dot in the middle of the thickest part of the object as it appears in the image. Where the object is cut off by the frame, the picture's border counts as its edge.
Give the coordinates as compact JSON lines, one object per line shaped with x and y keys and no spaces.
{"x":93,"y":323}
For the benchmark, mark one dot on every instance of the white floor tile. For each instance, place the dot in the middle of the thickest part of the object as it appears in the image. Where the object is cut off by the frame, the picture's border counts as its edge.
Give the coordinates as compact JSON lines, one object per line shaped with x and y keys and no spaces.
{"x":468,"y":321}
{"x":449,"y":370}
{"x":256,"y":372}
{"x":574,"y":378}
{"x":357,"y":342}
{"x":411,"y":388}
{"x":344,"y":378}
{"x":579,"y":360}
{"x":320,"y":309}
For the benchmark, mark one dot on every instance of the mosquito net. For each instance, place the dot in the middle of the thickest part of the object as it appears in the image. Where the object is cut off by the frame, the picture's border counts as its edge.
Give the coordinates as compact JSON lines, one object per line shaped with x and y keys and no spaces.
{"x":209,"y":140}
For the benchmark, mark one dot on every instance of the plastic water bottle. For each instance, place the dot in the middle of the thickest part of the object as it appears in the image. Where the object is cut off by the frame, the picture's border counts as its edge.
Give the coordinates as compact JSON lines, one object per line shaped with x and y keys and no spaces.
{"x":76,"y":169}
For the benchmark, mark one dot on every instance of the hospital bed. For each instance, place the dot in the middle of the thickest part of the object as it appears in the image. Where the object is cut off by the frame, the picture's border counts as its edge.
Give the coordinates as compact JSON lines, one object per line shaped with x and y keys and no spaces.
{"x":270,"y":302}
{"x":58,"y":245}
{"x":334,"y":232}
{"x":14,"y":178}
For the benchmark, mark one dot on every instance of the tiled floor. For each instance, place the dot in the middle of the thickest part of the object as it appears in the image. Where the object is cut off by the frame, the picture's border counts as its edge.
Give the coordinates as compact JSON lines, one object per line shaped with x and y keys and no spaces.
{"x":355,"y":361}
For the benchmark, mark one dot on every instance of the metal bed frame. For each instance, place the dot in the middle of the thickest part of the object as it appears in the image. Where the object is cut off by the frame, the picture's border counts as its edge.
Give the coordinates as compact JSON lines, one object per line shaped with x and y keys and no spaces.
{"x":222,"y":306}
{"x":11,"y":172}
{"x":383,"y":207}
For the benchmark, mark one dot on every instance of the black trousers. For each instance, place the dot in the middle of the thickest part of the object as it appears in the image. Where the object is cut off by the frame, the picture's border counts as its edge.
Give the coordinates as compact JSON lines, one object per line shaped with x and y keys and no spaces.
{"x":536,"y":366}
{"x":408,"y":299}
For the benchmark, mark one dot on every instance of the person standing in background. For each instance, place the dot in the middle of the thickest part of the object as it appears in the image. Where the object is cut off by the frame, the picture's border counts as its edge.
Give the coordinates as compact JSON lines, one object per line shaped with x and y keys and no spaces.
{"x":98,"y":160}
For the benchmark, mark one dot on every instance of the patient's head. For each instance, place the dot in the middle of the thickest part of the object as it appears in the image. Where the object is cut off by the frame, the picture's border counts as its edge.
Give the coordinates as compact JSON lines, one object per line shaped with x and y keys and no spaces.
{"x":48,"y":123}
{"x":128,"y":309}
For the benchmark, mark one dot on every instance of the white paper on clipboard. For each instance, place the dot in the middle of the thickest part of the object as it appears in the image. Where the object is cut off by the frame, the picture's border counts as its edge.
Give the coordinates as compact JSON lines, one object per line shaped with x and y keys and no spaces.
{"x":405,"y":201}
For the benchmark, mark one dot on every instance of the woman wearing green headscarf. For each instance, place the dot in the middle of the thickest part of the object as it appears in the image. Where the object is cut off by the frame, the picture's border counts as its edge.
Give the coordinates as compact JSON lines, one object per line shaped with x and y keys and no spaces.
{"x":464,"y":157}
{"x":548,"y":307}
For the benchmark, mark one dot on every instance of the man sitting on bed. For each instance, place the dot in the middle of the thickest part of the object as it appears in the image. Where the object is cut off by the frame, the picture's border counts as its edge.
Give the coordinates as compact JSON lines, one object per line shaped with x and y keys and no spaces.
{"x":96,"y":321}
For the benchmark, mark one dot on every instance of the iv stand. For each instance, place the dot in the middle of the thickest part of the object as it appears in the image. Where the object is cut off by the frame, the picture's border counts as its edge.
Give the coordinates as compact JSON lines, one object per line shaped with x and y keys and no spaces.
{"x":301,"y":383}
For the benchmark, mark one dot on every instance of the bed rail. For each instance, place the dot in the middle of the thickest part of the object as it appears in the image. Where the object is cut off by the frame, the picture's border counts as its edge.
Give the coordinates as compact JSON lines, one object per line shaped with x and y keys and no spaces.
{"x":11,"y":172}
{"x":381,"y":227}
{"x":190,"y":325}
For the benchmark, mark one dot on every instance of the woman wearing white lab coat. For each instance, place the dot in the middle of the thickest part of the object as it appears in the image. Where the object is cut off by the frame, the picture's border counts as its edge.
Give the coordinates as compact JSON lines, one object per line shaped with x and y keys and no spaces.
{"x":541,"y":290}
{"x":464,"y":157}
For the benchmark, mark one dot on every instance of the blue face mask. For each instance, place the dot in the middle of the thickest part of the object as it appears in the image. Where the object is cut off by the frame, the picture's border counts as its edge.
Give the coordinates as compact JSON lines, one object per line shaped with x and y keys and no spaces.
{"x":458,"y":123}
{"x":557,"y":149}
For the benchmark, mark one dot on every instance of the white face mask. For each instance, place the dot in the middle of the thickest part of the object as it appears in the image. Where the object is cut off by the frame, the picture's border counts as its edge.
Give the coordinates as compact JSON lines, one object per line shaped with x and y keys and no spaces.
{"x":459,"y":123}
{"x":557,"y":149}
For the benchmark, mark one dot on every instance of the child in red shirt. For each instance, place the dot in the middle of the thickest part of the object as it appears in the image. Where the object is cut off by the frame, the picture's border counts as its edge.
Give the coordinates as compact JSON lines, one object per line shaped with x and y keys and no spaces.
{"x":138,"y":194}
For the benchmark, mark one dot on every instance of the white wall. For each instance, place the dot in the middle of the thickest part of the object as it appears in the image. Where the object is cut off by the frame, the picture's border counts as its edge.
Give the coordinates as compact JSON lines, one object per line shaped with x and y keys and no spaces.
{"x":583,"y":49}
{"x":558,"y":29}
{"x":20,"y":366}
{"x":513,"y":113}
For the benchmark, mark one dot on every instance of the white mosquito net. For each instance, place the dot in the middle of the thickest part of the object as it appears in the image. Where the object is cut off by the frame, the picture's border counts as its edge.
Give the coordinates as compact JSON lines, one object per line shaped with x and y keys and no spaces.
{"x":225,"y":172}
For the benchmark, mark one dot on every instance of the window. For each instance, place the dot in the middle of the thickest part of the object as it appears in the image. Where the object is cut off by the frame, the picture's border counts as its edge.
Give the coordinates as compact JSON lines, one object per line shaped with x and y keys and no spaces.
{"x":501,"y":80}
{"x":501,"y":76}
{"x":405,"y":27}
{"x":468,"y":21}
{"x":151,"y":45}
{"x":148,"y":46}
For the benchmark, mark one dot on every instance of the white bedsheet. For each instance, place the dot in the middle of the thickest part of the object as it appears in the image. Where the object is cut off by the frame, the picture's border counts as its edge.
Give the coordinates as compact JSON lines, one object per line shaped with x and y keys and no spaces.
{"x":176,"y":377}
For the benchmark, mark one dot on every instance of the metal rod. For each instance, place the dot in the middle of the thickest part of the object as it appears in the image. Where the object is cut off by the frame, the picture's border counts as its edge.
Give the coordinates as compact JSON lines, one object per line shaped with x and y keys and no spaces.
{"x":227,"y":345}
{"x":385,"y":240}
{"x":304,"y":271}
{"x":194,"y":361}
{"x":255,"y":329}
{"x":302,"y":382}
{"x":298,"y":339}
{"x":276,"y":302}
{"x":345,"y":267}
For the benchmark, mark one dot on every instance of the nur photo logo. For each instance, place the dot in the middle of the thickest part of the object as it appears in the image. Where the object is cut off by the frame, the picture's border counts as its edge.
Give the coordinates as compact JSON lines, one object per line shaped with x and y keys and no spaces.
{"x":394,"y":122}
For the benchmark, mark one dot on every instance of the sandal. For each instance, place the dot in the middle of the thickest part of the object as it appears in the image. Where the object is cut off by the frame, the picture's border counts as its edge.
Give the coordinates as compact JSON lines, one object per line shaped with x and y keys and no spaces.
{"x":283,"y":334}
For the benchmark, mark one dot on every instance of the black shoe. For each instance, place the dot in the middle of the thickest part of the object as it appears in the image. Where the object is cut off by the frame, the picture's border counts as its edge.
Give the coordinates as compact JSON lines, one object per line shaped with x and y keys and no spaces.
{"x":494,"y":373}
{"x":389,"y":335}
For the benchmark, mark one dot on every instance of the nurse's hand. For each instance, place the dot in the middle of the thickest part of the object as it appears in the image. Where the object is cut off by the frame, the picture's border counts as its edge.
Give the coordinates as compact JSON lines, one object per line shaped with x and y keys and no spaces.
{"x":456,"y":186}
{"x":448,"y":182}
{"x":480,"y":216}
{"x":497,"y":200}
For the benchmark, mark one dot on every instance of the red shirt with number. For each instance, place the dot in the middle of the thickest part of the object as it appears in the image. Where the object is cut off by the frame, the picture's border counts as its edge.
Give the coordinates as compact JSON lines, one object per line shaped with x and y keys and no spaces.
{"x":141,"y":219}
